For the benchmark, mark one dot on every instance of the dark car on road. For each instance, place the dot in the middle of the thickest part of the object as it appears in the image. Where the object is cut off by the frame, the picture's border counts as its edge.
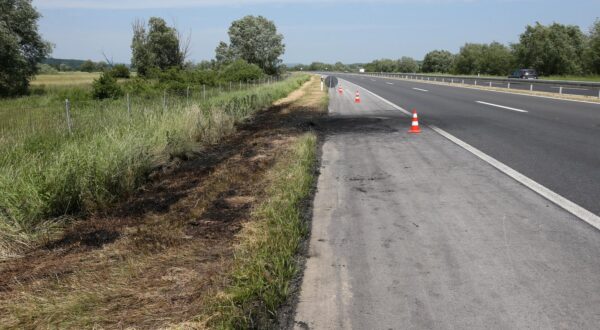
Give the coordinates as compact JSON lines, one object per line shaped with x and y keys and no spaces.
{"x":524,"y":74}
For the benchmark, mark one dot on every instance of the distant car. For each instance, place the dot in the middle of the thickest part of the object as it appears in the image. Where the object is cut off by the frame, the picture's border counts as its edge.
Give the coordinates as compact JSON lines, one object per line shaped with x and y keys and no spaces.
{"x":524,"y":74}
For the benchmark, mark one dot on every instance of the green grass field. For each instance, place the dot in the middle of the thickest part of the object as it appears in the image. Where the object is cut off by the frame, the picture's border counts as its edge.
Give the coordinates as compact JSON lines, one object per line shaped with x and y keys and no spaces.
{"x":47,"y":172}
{"x":65,"y":79}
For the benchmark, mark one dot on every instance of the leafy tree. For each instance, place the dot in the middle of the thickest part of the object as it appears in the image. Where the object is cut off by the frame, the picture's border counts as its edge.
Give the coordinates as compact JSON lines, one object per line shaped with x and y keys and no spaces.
{"x":101,"y":66}
{"x":382,"y":65}
{"x":223,"y":54}
{"x":497,"y":59}
{"x":46,"y":69}
{"x":64,"y":67}
{"x":240,"y":70}
{"x":554,"y":49}
{"x":255,"y":40}
{"x":407,"y":65}
{"x":105,"y":87}
{"x":21,"y":46}
{"x":120,"y":71}
{"x":592,"y":52}
{"x":88,"y":66}
{"x":438,"y":61}
{"x":469,"y":59}
{"x":319,"y":66}
{"x":157,"y":47}
{"x":340,"y":67}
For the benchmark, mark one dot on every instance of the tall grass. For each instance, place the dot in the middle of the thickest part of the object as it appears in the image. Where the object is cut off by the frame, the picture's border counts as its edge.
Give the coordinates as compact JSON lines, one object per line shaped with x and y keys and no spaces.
{"x":46,"y":173}
{"x":265,"y":259}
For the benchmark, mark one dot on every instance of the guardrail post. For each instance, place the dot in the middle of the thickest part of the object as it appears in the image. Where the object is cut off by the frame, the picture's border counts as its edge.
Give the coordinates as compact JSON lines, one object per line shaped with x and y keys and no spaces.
{"x":452,"y":81}
{"x":475,"y":82}
{"x":463,"y":81}
{"x":531,"y":87}
{"x":508,"y":85}
{"x":490,"y":84}
{"x":443,"y":79}
{"x":560,"y":90}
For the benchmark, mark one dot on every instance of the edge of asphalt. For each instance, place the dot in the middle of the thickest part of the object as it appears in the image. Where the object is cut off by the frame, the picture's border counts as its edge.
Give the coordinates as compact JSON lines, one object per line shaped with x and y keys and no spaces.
{"x":578,"y":211}
{"x":485,"y":89}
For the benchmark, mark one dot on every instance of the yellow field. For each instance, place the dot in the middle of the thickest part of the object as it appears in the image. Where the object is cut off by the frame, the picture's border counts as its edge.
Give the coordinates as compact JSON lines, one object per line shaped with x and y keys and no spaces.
{"x":65,"y":79}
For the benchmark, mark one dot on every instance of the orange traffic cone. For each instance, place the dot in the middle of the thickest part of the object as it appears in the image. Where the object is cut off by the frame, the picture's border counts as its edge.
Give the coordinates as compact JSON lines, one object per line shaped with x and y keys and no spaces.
{"x":340,"y":90}
{"x":357,"y":98}
{"x":414,"y":128}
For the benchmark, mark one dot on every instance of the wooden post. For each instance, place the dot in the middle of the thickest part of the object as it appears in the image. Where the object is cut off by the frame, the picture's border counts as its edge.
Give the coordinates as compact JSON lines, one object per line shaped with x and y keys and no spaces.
{"x":68,"y":113}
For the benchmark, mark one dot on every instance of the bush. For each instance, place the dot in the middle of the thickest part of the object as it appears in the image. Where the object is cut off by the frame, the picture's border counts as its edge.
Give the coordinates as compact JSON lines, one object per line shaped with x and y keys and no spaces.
{"x":240,"y":70}
{"x":46,"y":69}
{"x":120,"y":71}
{"x":106,"y":87}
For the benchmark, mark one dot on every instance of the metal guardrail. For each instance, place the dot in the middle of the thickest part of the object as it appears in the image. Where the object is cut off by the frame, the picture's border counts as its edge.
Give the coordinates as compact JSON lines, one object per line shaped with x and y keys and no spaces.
{"x":554,"y":86}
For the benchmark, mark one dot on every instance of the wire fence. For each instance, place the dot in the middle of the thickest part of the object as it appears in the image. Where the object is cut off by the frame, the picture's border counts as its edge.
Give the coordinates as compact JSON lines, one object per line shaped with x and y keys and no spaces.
{"x":43,"y":115}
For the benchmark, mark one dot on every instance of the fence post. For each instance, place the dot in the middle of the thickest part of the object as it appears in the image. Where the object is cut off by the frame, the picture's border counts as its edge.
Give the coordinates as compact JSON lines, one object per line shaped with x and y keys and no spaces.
{"x":204,"y":92}
{"x":68,"y":113}
{"x":240,"y":85}
{"x":128,"y":105}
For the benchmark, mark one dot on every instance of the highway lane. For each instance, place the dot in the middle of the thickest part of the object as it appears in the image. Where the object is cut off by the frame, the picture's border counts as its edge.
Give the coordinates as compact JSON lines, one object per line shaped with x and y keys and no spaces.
{"x":414,"y":232}
{"x":517,"y":84}
{"x":554,"y":142}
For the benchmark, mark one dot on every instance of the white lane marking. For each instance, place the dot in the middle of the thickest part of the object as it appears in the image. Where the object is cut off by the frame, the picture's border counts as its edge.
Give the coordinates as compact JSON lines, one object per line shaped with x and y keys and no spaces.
{"x":501,"y":106}
{"x":420,"y":89}
{"x":389,"y":83}
{"x":557,"y":199}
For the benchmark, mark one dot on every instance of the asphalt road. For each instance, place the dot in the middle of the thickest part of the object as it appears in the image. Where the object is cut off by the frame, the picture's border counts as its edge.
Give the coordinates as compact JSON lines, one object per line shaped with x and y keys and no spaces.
{"x":414,"y":232}
{"x":556,"y":143}
{"x":524,"y":84}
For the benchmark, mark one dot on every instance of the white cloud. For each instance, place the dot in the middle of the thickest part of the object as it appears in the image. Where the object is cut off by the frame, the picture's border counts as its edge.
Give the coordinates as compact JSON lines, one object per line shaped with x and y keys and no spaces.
{"x":149,"y":4}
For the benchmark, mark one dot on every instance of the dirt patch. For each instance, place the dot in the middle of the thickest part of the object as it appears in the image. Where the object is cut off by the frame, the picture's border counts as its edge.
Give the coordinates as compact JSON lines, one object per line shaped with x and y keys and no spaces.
{"x":154,"y":259}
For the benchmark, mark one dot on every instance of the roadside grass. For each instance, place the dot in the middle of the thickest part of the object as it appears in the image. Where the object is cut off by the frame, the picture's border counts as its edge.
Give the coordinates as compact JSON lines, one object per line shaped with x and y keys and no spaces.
{"x":265,"y":258}
{"x":48,"y":174}
{"x":177,"y":257}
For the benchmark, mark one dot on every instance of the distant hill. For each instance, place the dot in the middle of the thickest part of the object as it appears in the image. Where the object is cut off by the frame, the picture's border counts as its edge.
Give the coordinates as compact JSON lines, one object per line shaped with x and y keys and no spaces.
{"x":73,"y":64}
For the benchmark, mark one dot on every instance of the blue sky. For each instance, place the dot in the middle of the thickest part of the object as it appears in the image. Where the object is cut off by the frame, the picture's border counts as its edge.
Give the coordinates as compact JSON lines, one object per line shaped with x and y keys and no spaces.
{"x":326,"y":30}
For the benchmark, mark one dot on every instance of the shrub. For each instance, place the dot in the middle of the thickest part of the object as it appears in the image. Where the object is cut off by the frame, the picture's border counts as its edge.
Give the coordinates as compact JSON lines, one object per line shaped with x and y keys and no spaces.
{"x":120,"y":71}
{"x":106,"y":87}
{"x":240,"y":70}
{"x":46,"y":69}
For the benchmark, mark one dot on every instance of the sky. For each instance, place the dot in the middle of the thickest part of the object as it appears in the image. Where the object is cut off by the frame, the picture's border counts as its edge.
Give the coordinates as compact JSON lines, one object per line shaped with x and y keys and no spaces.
{"x":350,"y":31}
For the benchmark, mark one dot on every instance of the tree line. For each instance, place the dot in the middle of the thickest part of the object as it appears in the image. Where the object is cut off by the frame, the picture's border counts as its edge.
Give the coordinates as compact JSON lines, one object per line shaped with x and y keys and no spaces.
{"x":159,"y":54}
{"x":554,"y":49}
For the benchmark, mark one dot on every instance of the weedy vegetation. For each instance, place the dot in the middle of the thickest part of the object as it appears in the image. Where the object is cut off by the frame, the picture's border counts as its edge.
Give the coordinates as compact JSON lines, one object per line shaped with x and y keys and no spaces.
{"x":48,"y":172}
